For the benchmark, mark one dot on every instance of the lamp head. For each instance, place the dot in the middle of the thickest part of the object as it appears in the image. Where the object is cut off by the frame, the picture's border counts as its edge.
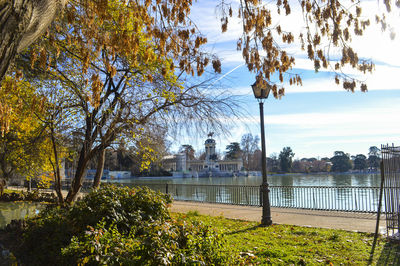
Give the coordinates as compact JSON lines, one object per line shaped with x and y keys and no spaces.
{"x":261,"y":89}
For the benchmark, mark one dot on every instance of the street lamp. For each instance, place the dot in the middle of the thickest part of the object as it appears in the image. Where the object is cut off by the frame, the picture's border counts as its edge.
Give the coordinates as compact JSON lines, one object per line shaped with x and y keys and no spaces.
{"x":261,"y":91}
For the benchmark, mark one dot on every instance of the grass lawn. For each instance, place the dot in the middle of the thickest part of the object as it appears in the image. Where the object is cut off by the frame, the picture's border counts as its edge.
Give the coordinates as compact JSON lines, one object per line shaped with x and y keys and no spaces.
{"x":294,"y":245}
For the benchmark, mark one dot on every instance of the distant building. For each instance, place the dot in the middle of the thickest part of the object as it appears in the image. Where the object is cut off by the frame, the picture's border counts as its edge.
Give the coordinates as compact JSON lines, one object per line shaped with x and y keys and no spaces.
{"x":176,"y":162}
{"x":119,"y":175}
{"x":90,"y":174}
{"x":180,"y":165}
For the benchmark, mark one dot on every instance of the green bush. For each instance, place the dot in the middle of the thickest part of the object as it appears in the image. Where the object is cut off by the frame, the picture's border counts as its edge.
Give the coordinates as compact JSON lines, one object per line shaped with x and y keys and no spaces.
{"x":171,"y":243}
{"x":44,"y":236}
{"x":122,"y":206}
{"x":28,"y":196}
{"x":114,"y":226}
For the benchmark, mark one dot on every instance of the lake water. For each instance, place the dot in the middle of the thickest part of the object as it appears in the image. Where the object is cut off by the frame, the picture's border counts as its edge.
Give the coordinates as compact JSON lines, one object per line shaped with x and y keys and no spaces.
{"x":355,"y":180}
{"x":17,"y":210}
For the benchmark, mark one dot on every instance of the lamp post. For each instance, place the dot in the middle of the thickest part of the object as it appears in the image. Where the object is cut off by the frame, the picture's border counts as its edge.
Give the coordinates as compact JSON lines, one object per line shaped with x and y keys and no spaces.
{"x":261,"y":91}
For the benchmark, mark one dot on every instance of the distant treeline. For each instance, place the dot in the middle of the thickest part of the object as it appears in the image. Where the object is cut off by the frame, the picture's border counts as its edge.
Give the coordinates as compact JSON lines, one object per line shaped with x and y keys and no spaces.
{"x":248,"y":149}
{"x":125,"y":158}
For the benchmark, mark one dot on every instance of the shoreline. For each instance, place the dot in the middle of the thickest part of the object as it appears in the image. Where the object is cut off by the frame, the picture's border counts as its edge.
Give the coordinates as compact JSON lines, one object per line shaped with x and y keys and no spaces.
{"x":269,"y":174}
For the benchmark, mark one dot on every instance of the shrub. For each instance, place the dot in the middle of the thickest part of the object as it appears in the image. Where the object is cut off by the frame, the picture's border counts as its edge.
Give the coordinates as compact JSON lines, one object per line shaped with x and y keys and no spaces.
{"x":44,"y":237}
{"x":170,"y":243}
{"x":13,"y":196}
{"x":122,"y":206}
{"x":28,"y":196}
{"x":114,"y":226}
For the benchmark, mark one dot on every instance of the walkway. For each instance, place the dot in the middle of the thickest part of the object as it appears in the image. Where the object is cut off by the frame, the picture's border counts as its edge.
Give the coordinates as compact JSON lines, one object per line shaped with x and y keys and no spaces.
{"x":361,"y":222}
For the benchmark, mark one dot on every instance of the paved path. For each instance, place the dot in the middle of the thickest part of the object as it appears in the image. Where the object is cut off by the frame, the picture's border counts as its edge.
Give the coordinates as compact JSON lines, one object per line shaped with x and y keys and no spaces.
{"x":362,"y":222}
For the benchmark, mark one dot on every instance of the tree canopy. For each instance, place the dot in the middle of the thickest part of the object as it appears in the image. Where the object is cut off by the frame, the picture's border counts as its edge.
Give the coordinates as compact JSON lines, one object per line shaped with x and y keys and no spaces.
{"x":24,"y":148}
{"x":120,"y":72}
{"x":21,"y":23}
{"x":326,"y":38}
{"x":286,"y":159}
{"x":360,"y":162}
{"x":249,"y":145}
{"x":188,"y":150}
{"x":163,"y":31}
{"x":233,"y":151}
{"x":328,"y":30}
{"x":374,"y":157}
{"x":121,"y":64}
{"x":340,"y":162}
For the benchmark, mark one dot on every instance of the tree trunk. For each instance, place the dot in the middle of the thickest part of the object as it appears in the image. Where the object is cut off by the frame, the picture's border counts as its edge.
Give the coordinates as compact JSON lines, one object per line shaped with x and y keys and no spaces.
{"x":99,"y":169}
{"x":79,"y":175}
{"x":56,"y":169}
{"x":21,"y":23}
{"x":14,"y":19}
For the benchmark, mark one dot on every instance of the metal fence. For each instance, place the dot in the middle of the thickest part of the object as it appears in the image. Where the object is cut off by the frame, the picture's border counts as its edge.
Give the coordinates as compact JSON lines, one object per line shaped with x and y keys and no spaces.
{"x":348,"y":199}
{"x":391,"y":166}
{"x":340,"y":198}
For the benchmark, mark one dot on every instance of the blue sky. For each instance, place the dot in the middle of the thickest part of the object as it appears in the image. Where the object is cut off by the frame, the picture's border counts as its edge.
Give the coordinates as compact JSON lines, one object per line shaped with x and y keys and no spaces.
{"x":319,"y":117}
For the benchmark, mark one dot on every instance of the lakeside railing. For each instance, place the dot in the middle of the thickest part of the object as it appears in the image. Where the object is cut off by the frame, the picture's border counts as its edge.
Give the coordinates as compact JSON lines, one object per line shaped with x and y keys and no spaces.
{"x":348,"y":199}
{"x":328,"y":198}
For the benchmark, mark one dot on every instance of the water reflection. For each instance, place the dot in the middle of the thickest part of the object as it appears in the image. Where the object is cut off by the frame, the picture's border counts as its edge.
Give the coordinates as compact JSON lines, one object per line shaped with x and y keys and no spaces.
{"x":17,"y":210}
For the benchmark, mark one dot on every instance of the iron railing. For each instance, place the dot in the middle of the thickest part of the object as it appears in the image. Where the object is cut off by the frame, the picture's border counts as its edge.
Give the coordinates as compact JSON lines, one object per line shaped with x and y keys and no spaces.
{"x":348,"y":199}
{"x":339,"y":198}
{"x":391,"y":165}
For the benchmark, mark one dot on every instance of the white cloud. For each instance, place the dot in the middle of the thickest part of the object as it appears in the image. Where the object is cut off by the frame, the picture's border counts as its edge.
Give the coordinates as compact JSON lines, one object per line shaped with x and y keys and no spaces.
{"x":356,"y":126}
{"x":383,"y":78}
{"x":352,"y":129}
{"x":368,"y":116}
{"x":206,"y":17}
{"x":319,"y":133}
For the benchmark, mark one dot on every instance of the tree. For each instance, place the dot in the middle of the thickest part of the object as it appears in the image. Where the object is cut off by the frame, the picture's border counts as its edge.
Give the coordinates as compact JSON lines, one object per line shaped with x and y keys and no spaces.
{"x":124,"y":158}
{"x":286,"y":159}
{"x":202,"y":156}
{"x":56,"y":117}
{"x":328,"y":30}
{"x":188,"y":150}
{"x":21,"y":23}
{"x":148,"y":152}
{"x":233,"y":151}
{"x":249,"y":144}
{"x":321,"y":166}
{"x":333,"y":23}
{"x":28,"y":147}
{"x":340,"y":162}
{"x":360,"y":162}
{"x":157,"y":36}
{"x":373,"y":150}
{"x":272,"y":162}
{"x":311,"y":165}
{"x":374,"y":157}
{"x":255,"y":163}
{"x":119,"y":84}
{"x":143,"y":31}
{"x":298,"y":166}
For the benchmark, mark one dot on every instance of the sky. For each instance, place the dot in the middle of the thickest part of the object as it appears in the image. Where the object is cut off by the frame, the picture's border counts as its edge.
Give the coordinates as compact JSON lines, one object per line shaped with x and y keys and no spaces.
{"x":319,"y":117}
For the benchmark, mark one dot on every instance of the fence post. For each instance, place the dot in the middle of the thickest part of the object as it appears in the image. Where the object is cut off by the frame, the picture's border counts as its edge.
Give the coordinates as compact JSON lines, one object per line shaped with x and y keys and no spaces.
{"x":371,"y":256}
{"x":166,"y":188}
